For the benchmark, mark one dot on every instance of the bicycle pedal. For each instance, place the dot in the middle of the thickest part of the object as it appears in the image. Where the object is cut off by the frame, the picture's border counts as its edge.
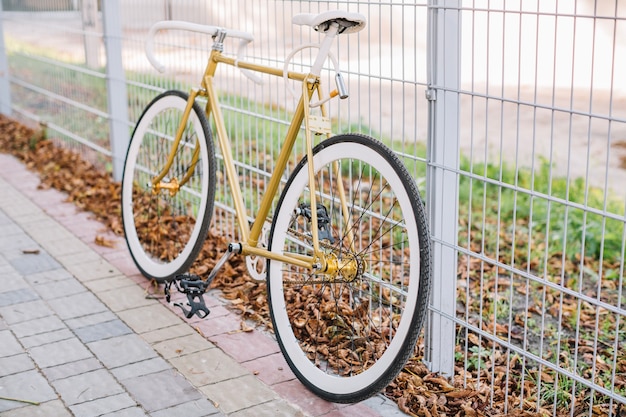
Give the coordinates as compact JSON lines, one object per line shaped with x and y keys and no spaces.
{"x":194,"y":288}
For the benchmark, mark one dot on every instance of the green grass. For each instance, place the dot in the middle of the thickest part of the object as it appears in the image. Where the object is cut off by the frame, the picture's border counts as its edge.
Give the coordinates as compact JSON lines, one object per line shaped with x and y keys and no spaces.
{"x":567,"y":216}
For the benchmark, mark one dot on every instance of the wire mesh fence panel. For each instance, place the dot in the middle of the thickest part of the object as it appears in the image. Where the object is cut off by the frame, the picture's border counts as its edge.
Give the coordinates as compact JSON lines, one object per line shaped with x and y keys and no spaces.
{"x":541,"y":286}
{"x":56,"y":64}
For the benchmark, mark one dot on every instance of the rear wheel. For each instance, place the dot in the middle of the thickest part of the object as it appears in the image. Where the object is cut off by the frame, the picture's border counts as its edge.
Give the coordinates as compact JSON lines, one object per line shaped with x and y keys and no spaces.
{"x":165,"y":228}
{"x":347,"y":333}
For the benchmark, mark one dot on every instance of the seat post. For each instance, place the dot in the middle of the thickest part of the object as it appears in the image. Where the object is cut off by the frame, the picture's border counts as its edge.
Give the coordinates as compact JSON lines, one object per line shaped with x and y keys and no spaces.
{"x":325,"y":46}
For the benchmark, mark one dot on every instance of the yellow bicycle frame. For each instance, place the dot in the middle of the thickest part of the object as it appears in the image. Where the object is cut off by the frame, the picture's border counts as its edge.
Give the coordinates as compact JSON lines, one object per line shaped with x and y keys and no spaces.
{"x":250,"y":235}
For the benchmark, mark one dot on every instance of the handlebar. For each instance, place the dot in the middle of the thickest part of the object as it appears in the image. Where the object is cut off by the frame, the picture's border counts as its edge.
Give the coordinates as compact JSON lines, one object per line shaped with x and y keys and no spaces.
{"x":245,"y":39}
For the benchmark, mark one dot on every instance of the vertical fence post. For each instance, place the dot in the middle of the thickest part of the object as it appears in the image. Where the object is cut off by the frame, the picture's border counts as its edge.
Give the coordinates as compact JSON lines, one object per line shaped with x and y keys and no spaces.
{"x":116,"y":85}
{"x":91,"y":29}
{"x":443,"y":182}
{"x":5,"y":86}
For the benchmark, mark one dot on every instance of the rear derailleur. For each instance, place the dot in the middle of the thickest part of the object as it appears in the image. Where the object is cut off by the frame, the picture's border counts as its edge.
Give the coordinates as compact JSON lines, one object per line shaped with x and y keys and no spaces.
{"x":194,"y":288}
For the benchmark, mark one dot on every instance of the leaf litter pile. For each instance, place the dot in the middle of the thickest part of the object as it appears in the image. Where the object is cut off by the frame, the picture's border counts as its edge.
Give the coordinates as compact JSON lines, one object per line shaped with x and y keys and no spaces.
{"x":488,"y":380}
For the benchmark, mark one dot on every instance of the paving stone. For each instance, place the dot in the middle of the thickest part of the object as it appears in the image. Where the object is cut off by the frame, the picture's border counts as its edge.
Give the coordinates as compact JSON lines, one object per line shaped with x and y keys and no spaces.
{"x":82,"y":224}
{"x":383,"y":406}
{"x":149,"y":366}
{"x":66,"y":246}
{"x":5,"y":266}
{"x":238,"y":345}
{"x":149,"y":318}
{"x":59,"y":289}
{"x":358,"y":410}
{"x":37,"y":326}
{"x":87,"y":386}
{"x":45,"y":338}
{"x":181,"y":346}
{"x":126,"y":298}
{"x":105,"y":284}
{"x":15,"y":364}
{"x":103,"y":406}
{"x":198,"y":408}
{"x":168,"y":333}
{"x":46,"y":230}
{"x":59,"y":274}
{"x":102,"y":331}
{"x":208,"y":367}
{"x":62,"y":209}
{"x":13,"y":245}
{"x":77,"y":305}
{"x":239,"y":393}
{"x":11,"y":280}
{"x":124,"y":263}
{"x":122,"y":350}
{"x":17,"y":296}
{"x":128,"y":412}
{"x":91,"y":319}
{"x":69,"y":369}
{"x":214,"y":298}
{"x":54,"y":408}
{"x":33,"y":263}
{"x":161,"y":390}
{"x":223,"y":324}
{"x":294,"y":392}
{"x":58,"y":353}
{"x":275,"y":408}
{"x":90,"y":270}
{"x":17,"y":313}
{"x":271,"y":369}
{"x":49,"y":234}
{"x":29,"y":385}
{"x":9,"y":346}
{"x":25,"y":215}
{"x":8,"y":227}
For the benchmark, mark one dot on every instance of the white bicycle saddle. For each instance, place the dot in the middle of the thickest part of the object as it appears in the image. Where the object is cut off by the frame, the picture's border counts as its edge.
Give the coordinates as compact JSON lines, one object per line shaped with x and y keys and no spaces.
{"x":348,"y":22}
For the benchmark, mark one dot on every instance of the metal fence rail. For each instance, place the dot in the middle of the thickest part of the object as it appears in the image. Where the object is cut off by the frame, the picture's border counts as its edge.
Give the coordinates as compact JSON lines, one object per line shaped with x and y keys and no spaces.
{"x":511,"y":116}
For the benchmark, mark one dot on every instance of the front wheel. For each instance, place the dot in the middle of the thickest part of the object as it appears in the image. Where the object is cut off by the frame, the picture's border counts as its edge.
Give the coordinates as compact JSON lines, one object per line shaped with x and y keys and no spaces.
{"x":165,"y":226}
{"x":348,"y":330}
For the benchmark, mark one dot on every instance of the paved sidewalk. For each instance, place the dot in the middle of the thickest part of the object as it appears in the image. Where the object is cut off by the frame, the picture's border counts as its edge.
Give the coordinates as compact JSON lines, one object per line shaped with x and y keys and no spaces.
{"x":81,"y":335}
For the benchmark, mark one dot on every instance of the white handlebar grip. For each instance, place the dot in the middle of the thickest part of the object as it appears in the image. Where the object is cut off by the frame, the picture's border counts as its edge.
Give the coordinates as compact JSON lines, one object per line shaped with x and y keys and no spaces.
{"x":150,"y":48}
{"x":175,"y":25}
{"x":245,"y":37}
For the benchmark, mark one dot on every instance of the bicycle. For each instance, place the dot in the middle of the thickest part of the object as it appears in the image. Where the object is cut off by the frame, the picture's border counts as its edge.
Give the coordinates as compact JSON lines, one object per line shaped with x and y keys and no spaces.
{"x":347,"y":254}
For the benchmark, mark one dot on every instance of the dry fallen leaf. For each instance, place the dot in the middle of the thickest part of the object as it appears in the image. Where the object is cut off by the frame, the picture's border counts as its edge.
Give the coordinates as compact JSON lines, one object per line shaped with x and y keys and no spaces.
{"x":102,"y":241}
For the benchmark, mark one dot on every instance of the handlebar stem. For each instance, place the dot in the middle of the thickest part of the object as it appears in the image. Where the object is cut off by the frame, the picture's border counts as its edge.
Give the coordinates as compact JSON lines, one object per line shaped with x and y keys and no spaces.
{"x":218,"y":43}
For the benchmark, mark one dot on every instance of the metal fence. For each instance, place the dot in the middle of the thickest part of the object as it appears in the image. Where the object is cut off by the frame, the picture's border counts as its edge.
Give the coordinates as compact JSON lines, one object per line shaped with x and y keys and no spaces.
{"x":511,"y":115}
